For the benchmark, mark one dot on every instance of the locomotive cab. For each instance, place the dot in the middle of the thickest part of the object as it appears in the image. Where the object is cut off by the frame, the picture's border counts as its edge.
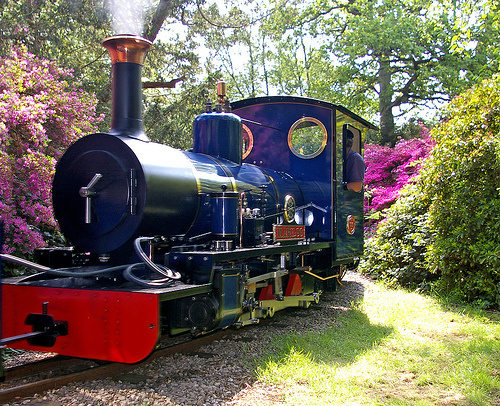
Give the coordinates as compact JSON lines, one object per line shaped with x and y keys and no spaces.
{"x":305,"y":139}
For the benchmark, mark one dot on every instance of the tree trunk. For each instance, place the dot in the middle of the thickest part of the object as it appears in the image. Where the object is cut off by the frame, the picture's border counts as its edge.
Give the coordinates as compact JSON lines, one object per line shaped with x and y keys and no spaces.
{"x":264,"y":66}
{"x":161,"y":12}
{"x":385,"y":105}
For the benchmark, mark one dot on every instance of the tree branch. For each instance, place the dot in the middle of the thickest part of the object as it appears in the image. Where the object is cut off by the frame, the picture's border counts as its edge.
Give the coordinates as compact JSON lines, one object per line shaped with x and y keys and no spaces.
{"x":157,"y":85}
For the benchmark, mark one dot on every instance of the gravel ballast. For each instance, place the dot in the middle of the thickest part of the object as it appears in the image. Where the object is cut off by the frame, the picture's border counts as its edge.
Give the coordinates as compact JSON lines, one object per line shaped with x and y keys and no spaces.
{"x":221,"y":373}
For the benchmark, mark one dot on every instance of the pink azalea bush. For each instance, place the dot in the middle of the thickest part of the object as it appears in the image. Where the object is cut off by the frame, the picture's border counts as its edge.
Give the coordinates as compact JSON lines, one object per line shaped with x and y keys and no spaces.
{"x":40,"y":116}
{"x":388,"y":170}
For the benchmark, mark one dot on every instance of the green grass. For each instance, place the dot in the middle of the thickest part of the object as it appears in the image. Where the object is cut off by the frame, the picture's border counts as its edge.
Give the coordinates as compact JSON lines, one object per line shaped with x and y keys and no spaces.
{"x":392,"y":348}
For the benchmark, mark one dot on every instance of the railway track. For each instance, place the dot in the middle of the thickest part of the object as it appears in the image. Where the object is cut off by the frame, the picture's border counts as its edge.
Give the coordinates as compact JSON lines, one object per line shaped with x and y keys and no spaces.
{"x":40,"y":376}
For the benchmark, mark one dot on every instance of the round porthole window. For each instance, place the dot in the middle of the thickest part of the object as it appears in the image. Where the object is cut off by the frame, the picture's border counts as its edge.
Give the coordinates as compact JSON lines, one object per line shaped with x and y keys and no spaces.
{"x":247,"y":140}
{"x":307,"y":137}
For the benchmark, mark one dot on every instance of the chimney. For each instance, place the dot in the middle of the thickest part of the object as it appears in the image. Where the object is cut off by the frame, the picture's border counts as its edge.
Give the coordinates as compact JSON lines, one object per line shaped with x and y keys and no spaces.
{"x":128,"y":53}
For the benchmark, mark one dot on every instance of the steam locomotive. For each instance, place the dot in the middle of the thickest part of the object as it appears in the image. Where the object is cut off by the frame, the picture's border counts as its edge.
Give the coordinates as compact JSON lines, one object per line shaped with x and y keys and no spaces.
{"x":254,"y":219}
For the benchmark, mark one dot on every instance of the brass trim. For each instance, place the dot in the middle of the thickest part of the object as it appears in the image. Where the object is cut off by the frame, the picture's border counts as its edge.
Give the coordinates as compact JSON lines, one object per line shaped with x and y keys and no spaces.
{"x":127,"y":48}
{"x":320,"y":278}
{"x":289,"y":209}
{"x":226,"y":171}
{"x":250,"y":141}
{"x":323,"y":142}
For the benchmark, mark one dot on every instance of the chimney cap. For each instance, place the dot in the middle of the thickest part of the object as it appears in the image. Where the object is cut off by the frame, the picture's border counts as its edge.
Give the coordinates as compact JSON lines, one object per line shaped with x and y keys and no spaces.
{"x":127,"y":48}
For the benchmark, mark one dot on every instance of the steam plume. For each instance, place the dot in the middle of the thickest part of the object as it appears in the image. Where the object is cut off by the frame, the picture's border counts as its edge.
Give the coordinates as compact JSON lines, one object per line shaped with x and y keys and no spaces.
{"x":128,"y":16}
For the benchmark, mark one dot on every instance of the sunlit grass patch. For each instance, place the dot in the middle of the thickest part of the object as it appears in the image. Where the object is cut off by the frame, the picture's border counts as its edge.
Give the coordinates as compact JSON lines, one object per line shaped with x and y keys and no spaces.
{"x":391,"y":348}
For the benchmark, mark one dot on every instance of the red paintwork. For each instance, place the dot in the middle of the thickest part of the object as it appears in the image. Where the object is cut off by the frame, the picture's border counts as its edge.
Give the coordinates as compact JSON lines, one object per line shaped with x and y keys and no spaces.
{"x":294,"y":287}
{"x":103,"y":325}
{"x":267,"y":293}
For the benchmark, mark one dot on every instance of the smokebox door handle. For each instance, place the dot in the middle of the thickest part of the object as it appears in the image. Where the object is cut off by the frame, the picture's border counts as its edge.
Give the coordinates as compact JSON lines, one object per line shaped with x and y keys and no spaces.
{"x":87,"y":192}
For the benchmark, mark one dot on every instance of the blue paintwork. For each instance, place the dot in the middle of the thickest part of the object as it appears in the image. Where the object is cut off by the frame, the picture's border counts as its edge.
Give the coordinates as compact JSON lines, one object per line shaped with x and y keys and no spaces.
{"x":224,"y":214}
{"x":319,"y":178}
{"x":218,"y":135}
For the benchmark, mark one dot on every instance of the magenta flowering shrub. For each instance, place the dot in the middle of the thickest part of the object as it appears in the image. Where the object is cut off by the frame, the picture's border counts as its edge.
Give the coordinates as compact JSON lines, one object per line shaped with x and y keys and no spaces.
{"x":40,"y":116}
{"x":388,"y":169}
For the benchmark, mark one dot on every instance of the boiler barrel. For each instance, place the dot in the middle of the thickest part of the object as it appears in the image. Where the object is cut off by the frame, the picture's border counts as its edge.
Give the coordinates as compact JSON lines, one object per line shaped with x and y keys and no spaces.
{"x":144,"y":189}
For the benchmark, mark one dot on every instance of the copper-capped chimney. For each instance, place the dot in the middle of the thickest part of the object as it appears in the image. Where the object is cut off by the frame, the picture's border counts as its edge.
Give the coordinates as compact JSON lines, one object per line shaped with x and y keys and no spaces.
{"x":128,"y":53}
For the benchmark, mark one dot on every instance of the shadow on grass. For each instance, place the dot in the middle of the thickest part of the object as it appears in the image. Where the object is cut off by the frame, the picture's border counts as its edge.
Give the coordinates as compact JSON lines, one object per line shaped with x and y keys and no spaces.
{"x":451,"y":355}
{"x":350,"y":337}
{"x":346,"y":332}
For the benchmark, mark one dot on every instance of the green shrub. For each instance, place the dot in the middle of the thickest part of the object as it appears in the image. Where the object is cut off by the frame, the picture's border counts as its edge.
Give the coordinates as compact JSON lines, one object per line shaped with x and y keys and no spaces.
{"x":397,"y":252}
{"x":463,"y":180}
{"x":447,"y":224}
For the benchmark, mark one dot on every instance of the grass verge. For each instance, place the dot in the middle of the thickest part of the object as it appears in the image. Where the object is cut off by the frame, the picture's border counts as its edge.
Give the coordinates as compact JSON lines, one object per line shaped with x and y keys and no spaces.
{"x":391,"y":348}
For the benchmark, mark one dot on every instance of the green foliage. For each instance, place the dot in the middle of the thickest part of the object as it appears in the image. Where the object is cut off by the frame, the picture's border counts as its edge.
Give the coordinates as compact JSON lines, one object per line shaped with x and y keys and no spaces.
{"x":171,"y":122}
{"x":448,"y":222}
{"x":478,"y":37}
{"x":397,"y":252}
{"x":54,"y":29}
{"x":68,"y":32}
{"x":399,"y":47}
{"x":463,"y":180}
{"x":391,"y":348}
{"x":168,"y":113}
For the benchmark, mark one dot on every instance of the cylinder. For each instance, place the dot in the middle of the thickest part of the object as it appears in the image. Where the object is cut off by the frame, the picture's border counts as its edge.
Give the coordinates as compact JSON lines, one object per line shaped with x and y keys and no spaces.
{"x":127,"y":100}
{"x":225,"y":214}
{"x":144,"y":189}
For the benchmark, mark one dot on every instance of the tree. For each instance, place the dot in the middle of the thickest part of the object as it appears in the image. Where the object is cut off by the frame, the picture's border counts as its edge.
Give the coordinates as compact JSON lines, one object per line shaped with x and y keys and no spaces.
{"x":171,"y":122}
{"x":389,"y":57}
{"x":477,"y":37}
{"x":398,"y":51}
{"x":40,"y":115}
{"x":70,"y":32}
{"x":234,"y":47}
{"x":56,"y":30}
{"x":257,"y":57}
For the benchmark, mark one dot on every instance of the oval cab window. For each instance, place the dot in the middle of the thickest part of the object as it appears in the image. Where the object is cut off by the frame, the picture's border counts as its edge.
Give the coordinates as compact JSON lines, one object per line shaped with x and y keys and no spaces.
{"x":247,"y":140}
{"x":307,"y":137}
